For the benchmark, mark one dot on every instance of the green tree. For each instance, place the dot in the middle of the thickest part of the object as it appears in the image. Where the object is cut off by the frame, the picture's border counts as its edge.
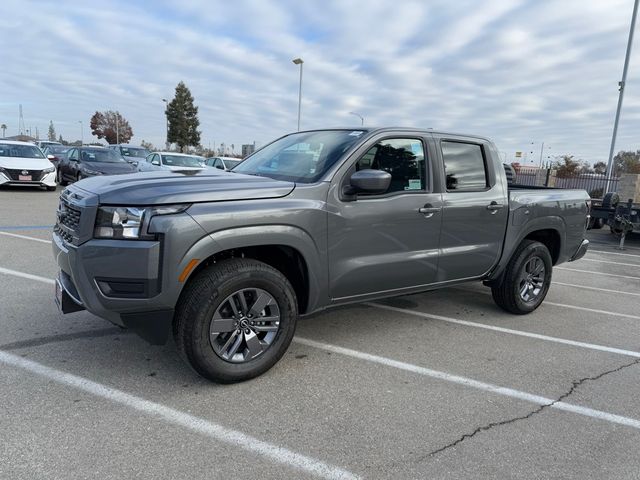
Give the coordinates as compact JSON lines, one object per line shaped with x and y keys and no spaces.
{"x":567,"y":167}
{"x":626,"y":162}
{"x":182,"y":116}
{"x":111,"y":126}
{"x":52,"y":132}
{"x":600,"y":168}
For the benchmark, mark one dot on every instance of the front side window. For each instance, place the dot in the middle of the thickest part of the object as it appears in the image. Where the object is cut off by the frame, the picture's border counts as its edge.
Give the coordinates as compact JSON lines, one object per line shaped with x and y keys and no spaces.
{"x":300,"y":157}
{"x":403,"y":158}
{"x":134,"y":152}
{"x":464,"y":166}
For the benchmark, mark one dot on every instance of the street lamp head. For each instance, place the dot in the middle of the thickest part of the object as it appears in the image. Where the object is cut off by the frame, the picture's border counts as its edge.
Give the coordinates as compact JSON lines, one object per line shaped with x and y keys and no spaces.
{"x":164,"y":100}
{"x":297,"y":61}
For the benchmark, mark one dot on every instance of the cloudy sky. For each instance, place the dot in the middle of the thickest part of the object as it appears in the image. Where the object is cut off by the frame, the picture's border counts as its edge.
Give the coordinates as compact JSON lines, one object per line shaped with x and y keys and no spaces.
{"x":519,"y":71}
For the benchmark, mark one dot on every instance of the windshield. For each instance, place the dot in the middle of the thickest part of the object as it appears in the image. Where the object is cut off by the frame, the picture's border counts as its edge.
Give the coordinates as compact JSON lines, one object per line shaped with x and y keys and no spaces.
{"x":24,"y":151}
{"x":300,"y":157}
{"x":181,"y":161}
{"x":134,"y":152}
{"x":57,"y":149}
{"x":104,"y":156}
{"x":231,"y":163}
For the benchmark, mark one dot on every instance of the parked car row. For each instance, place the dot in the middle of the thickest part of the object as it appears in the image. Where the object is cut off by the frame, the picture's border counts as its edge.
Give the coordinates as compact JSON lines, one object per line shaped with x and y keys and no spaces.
{"x":50,"y":163}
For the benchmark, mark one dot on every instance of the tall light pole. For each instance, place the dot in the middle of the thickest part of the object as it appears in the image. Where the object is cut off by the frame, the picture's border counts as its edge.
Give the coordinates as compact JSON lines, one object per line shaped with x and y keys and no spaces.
{"x":621,"y":84}
{"x":166,"y":102}
{"x":117,"y":128}
{"x":299,"y":61}
{"x":358,"y":115}
{"x":81,"y":133}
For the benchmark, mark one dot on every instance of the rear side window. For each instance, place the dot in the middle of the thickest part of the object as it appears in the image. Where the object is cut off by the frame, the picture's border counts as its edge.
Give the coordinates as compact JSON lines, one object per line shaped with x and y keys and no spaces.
{"x":464,"y":166}
{"x":403,"y":158}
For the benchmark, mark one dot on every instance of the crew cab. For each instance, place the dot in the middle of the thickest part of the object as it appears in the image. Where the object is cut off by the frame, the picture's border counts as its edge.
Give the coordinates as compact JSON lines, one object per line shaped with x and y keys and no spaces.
{"x":228,"y":261}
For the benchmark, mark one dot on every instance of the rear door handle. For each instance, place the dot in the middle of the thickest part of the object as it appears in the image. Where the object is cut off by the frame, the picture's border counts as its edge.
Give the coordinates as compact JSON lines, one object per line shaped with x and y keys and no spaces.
{"x":428,"y":210}
{"x":494,"y":207}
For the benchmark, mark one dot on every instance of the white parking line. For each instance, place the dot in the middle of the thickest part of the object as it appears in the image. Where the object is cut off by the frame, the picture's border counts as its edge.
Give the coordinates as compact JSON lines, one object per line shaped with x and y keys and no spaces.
{"x":592,"y":310}
{"x":613,"y":253}
{"x":564,"y":341}
{"x":24,"y":237}
{"x":469,"y":382}
{"x":595,"y":273}
{"x":617,"y":292}
{"x":200,"y":425}
{"x":15,"y":273}
{"x":610,"y":263}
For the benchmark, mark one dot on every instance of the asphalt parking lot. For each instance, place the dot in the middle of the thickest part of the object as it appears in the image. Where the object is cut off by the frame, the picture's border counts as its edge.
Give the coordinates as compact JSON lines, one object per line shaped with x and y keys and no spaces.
{"x":435,"y":385}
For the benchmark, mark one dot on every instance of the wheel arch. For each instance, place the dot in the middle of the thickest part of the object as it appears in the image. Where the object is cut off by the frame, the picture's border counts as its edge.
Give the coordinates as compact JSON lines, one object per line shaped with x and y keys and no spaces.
{"x":288,"y":249}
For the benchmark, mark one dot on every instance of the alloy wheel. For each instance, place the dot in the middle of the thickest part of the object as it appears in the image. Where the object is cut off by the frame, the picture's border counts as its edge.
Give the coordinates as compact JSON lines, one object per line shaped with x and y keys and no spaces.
{"x":531,"y":280}
{"x":244,"y":325}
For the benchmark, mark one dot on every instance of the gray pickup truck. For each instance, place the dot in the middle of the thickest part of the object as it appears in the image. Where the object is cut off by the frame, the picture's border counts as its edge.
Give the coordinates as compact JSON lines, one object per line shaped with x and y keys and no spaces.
{"x":227,"y":261}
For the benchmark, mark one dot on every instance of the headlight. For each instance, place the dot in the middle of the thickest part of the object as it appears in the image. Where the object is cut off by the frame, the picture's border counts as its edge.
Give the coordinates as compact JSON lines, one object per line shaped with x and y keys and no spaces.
{"x":49,"y":170}
{"x":88,"y":171}
{"x":130,"y":223}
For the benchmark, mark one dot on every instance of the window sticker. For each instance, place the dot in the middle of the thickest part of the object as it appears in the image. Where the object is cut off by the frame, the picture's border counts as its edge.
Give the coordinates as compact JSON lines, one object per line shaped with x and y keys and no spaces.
{"x":414,"y":184}
{"x":356,"y":133}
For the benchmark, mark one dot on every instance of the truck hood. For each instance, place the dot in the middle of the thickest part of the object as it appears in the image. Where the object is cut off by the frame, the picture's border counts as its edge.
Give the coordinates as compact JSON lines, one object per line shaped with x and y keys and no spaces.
{"x":183,"y":186}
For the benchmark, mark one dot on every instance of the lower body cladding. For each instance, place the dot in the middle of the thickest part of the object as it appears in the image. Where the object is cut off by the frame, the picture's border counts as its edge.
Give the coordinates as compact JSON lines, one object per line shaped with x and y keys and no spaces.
{"x":120,"y":283}
{"x":32,"y":178}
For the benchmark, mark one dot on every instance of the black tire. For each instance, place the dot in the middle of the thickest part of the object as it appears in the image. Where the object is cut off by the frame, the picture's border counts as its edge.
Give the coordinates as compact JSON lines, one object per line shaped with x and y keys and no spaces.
{"x":51,"y":189}
{"x":206,"y":293}
{"x":610,"y":200}
{"x":61,"y":180}
{"x":508,"y":294}
{"x":598,"y":223}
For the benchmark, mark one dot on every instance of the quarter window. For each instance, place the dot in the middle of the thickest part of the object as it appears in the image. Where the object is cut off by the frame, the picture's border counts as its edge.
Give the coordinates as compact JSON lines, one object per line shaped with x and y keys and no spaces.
{"x":464,"y":166}
{"x":403,"y":158}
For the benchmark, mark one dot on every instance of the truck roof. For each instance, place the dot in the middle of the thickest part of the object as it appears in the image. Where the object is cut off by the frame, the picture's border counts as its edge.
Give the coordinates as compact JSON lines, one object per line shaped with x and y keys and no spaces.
{"x":410,"y":129}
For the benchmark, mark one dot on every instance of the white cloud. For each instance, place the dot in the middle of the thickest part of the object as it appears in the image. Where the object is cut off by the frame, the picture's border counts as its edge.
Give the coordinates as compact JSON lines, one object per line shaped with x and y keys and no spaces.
{"x":518,"y":71}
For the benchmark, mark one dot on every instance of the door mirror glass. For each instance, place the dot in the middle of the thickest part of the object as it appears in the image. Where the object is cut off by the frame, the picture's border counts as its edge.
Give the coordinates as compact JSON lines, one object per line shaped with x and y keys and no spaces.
{"x":369,"y":181}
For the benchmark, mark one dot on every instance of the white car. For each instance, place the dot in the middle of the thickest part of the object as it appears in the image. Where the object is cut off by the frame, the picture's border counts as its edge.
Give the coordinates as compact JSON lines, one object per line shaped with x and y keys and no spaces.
{"x":171,"y":161}
{"x":22,"y":163}
{"x":223,"y":163}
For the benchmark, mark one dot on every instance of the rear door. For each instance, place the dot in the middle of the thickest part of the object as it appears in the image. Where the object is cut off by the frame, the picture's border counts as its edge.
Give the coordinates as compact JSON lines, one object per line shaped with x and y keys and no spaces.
{"x":385,"y":242}
{"x":475,"y":209}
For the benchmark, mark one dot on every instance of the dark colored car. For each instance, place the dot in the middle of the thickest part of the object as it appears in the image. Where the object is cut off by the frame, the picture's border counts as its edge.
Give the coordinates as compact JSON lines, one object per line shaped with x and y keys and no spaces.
{"x":83,"y":162}
{"x":130,"y":153}
{"x":55,"y":153}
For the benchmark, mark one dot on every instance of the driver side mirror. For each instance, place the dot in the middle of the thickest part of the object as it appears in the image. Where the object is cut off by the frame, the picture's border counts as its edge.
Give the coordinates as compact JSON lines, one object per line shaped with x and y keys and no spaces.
{"x":368,"y":181}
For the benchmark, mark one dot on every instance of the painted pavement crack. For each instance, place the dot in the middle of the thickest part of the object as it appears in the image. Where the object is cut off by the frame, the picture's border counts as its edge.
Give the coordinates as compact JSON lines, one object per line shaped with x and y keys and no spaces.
{"x":574,"y":386}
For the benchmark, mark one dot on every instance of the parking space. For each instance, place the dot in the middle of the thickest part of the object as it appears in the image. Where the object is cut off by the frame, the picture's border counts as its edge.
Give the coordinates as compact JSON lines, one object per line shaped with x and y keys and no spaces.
{"x":441,"y":384}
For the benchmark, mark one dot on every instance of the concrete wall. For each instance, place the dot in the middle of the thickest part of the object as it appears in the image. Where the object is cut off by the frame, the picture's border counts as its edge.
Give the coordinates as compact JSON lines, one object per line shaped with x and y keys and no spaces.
{"x":629,"y":187}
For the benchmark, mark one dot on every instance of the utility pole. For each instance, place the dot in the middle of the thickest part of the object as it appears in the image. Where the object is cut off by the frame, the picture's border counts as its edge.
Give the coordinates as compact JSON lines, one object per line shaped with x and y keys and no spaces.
{"x":621,"y":84}
{"x":117,"y":128}
{"x":299,"y":61}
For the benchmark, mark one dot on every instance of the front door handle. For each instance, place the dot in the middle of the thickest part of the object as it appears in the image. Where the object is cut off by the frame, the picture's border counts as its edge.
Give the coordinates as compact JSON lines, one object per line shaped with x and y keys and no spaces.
{"x":428,"y":210}
{"x":493,"y":207}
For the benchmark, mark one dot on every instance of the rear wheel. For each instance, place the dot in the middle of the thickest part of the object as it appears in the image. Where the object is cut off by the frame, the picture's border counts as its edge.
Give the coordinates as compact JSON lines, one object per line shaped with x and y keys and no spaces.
{"x":527,"y":279}
{"x":235,"y":320}
{"x":51,"y":189}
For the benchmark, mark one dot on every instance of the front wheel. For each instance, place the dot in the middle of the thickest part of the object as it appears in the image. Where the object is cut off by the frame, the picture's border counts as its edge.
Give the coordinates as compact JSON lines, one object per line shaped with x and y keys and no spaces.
{"x":235,"y":320}
{"x":527,"y":279}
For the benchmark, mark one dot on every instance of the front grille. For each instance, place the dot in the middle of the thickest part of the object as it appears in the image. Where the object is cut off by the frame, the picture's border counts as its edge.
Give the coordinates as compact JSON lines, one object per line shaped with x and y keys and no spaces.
{"x":14,"y":174}
{"x":68,"y":220}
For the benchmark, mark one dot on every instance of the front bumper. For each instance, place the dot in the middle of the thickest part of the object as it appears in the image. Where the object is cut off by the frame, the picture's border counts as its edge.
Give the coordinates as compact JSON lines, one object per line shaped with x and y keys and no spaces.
{"x":120,"y":283}
{"x":46,"y":180}
{"x":582,"y":250}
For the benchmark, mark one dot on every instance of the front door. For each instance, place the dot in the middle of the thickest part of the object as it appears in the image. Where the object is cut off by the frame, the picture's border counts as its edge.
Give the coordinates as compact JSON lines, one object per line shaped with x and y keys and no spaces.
{"x":385,"y":242}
